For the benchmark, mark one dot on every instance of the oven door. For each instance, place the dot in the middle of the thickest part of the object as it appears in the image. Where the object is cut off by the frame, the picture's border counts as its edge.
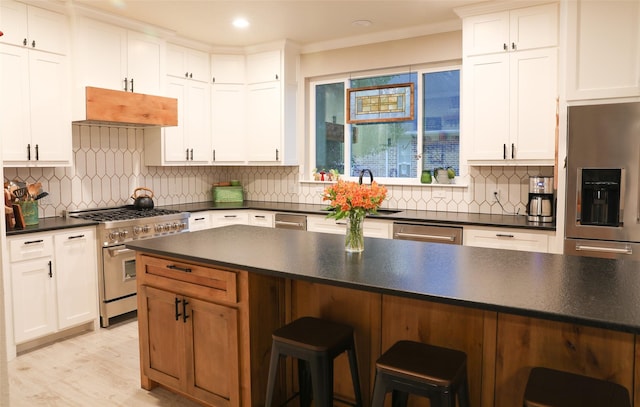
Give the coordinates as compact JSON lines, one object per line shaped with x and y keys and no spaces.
{"x":119,"y":272}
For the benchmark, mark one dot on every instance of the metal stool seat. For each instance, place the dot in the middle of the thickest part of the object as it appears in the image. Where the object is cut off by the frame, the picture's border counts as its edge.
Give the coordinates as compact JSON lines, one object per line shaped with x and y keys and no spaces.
{"x":315,"y":343}
{"x":554,"y":388}
{"x":417,"y":368}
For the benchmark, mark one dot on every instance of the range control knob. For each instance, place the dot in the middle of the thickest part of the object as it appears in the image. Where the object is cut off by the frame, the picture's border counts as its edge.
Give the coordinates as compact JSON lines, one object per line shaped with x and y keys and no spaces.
{"x":146,"y":228}
{"x":137,"y":230}
{"x":159,"y":228}
{"x":113,"y":235}
{"x":123,"y":234}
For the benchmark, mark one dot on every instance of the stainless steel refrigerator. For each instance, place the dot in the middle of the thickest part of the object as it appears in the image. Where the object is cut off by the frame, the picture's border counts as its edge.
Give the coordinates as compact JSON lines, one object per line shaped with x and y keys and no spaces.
{"x":603,"y":177}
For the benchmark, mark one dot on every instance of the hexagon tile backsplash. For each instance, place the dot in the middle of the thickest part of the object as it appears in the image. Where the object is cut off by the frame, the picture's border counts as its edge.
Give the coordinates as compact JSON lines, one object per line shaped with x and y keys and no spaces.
{"x":109,"y":165}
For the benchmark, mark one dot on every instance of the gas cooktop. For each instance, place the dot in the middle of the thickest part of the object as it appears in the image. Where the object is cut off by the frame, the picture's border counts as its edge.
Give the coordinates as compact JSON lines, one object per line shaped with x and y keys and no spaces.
{"x":120,"y":213}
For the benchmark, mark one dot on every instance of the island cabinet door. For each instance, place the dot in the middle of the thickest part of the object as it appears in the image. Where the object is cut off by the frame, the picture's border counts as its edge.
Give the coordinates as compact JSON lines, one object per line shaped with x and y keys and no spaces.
{"x":212,"y":353}
{"x":162,"y":337}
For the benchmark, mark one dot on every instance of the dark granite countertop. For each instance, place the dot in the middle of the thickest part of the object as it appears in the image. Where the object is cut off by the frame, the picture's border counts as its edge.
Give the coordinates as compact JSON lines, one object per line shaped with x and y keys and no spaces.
{"x":588,"y":291}
{"x":403,"y":215}
{"x":52,"y":223}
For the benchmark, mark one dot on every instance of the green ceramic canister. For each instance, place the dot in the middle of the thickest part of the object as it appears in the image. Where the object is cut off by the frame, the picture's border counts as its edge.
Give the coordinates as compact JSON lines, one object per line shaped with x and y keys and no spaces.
{"x":29,"y":212}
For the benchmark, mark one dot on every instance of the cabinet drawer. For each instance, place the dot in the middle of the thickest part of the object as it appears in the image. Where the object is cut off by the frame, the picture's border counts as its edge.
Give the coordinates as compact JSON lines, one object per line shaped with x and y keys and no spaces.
{"x":31,"y":247}
{"x":203,"y":282}
{"x":499,"y":238}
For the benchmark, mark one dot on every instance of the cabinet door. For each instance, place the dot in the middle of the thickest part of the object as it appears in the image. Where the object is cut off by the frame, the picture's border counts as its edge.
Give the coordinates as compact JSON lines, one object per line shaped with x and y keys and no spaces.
{"x":50,"y":108}
{"x":533,"y":27}
{"x":13,"y":20}
{"x":76,"y":277}
{"x":199,"y":221}
{"x":264,"y":118}
{"x":506,"y":239}
{"x":15,"y":128}
{"x":145,"y":57}
{"x":264,"y":67}
{"x":228,"y":123}
{"x":162,"y":336}
{"x":603,"y":53}
{"x":534,"y":89}
{"x":212,"y":353}
{"x":229,"y":69}
{"x":224,"y":218}
{"x":187,"y":63}
{"x":34,"y":302}
{"x":48,"y":31}
{"x":189,"y":141}
{"x":486,"y":106}
{"x":486,"y":34}
{"x":102,"y":55}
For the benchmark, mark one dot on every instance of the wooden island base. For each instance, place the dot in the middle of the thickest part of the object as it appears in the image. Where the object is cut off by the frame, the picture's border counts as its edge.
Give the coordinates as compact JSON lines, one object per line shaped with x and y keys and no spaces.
{"x":196,"y":326}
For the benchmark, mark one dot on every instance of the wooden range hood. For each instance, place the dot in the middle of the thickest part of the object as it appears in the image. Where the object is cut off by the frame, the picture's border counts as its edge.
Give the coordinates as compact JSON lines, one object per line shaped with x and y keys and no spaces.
{"x":115,"y":107}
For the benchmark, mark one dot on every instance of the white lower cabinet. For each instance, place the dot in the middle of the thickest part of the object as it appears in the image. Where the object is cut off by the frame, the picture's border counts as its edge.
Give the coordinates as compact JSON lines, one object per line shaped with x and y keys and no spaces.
{"x":372,"y":227}
{"x":262,"y":218}
{"x":221,"y":218}
{"x":53,"y":282}
{"x":199,"y":221}
{"x":504,"y":238}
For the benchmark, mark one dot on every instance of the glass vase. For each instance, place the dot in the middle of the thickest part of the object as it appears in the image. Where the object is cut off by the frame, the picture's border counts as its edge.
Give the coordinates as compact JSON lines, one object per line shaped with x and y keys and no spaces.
{"x":354,"y":240}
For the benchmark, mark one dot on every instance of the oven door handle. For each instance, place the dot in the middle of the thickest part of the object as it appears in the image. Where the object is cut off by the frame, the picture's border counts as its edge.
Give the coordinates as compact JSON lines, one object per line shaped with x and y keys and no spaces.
{"x":119,"y":250}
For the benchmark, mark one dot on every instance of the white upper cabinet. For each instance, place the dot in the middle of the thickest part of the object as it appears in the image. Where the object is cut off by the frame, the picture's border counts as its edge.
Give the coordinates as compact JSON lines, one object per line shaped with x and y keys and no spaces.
{"x":34,"y":27}
{"x":228,"y":109}
{"x":187,"y":63}
{"x":510,"y":83}
{"x":271,"y":107}
{"x":603,"y":55}
{"x":36,"y":122}
{"x":521,"y":29}
{"x":112,"y":57}
{"x":228,"y":69}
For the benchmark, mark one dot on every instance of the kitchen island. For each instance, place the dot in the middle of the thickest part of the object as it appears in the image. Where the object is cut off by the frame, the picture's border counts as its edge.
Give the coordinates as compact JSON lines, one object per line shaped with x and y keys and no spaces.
{"x":508,"y":310}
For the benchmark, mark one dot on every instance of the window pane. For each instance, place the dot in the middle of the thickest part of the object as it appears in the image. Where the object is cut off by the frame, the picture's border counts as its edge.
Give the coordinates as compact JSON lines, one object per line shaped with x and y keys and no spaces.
{"x":387,"y":149}
{"x":330,"y":127}
{"x":441,"y":137}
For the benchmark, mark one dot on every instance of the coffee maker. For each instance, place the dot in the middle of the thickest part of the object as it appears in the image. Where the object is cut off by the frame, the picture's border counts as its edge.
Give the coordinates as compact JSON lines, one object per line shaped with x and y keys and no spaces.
{"x":540,"y":204}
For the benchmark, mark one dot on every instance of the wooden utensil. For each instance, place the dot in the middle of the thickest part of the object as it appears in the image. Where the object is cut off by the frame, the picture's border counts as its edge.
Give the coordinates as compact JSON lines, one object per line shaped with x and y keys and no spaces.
{"x":17,"y":212}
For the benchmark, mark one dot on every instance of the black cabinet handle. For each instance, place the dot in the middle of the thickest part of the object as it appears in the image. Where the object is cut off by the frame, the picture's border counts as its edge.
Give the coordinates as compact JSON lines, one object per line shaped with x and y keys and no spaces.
{"x":213,"y":79}
{"x":126,"y":84}
{"x":276,"y":76}
{"x":513,"y":150}
{"x":131,"y":81}
{"x":504,"y":151}
{"x":29,"y":152}
{"x":191,"y":75}
{"x":504,"y":46}
{"x":50,"y":270}
{"x":177,"y":302}
{"x":24,"y":42}
{"x":184,"y":310}
{"x":34,"y":241}
{"x":513,"y":45}
{"x":191,"y":154}
{"x":37,"y":153}
{"x":214,"y":155}
{"x":174,"y":267}
{"x":33,"y":43}
{"x":277,"y":154}
{"x":187,"y":154}
{"x":186,"y":74}
{"x":504,"y":235}
{"x":75,"y":237}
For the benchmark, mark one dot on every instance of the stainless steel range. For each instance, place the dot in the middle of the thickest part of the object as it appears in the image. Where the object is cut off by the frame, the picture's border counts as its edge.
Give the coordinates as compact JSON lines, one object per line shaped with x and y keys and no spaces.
{"x":117,"y":265}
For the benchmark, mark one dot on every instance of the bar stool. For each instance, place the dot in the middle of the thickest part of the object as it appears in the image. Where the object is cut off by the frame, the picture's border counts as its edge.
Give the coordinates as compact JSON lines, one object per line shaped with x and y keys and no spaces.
{"x":554,"y":388}
{"x":315,"y":343}
{"x":421,"y":369}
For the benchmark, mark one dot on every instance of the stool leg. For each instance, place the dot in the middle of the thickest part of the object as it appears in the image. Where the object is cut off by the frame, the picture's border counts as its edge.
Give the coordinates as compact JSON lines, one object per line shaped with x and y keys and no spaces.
{"x":353,"y":364}
{"x":400,"y":398}
{"x":322,"y":381}
{"x":304,"y":383}
{"x":273,"y":371}
{"x":463,"y":393}
{"x":379,"y":390}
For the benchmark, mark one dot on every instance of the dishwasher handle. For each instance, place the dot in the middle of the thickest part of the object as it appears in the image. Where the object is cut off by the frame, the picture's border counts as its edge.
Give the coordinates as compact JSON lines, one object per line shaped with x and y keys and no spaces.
{"x":416,"y":236}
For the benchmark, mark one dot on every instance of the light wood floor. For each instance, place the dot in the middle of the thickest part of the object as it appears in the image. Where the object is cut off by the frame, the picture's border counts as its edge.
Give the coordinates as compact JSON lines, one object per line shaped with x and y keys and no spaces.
{"x":98,"y":368}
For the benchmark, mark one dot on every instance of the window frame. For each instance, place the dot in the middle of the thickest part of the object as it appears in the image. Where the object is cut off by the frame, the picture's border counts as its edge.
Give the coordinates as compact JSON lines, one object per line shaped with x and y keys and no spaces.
{"x":346,"y":80}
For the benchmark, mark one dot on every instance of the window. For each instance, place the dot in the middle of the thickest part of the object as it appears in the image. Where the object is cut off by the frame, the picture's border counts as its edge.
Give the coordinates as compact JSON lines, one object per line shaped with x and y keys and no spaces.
{"x":390,"y":149}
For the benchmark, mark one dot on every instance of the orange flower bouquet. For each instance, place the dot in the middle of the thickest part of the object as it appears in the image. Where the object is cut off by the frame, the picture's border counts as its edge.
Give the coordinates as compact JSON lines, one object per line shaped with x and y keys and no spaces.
{"x":354,"y":201}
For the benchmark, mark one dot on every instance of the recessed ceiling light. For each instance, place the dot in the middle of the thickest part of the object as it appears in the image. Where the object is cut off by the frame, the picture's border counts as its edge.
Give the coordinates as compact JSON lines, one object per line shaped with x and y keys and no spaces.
{"x":361,"y":23}
{"x":240,"y":23}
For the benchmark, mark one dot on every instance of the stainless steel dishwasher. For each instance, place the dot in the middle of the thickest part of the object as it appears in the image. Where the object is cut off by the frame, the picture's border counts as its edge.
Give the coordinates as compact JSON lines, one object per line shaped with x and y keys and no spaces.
{"x":427,"y":233}
{"x":290,"y":221}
